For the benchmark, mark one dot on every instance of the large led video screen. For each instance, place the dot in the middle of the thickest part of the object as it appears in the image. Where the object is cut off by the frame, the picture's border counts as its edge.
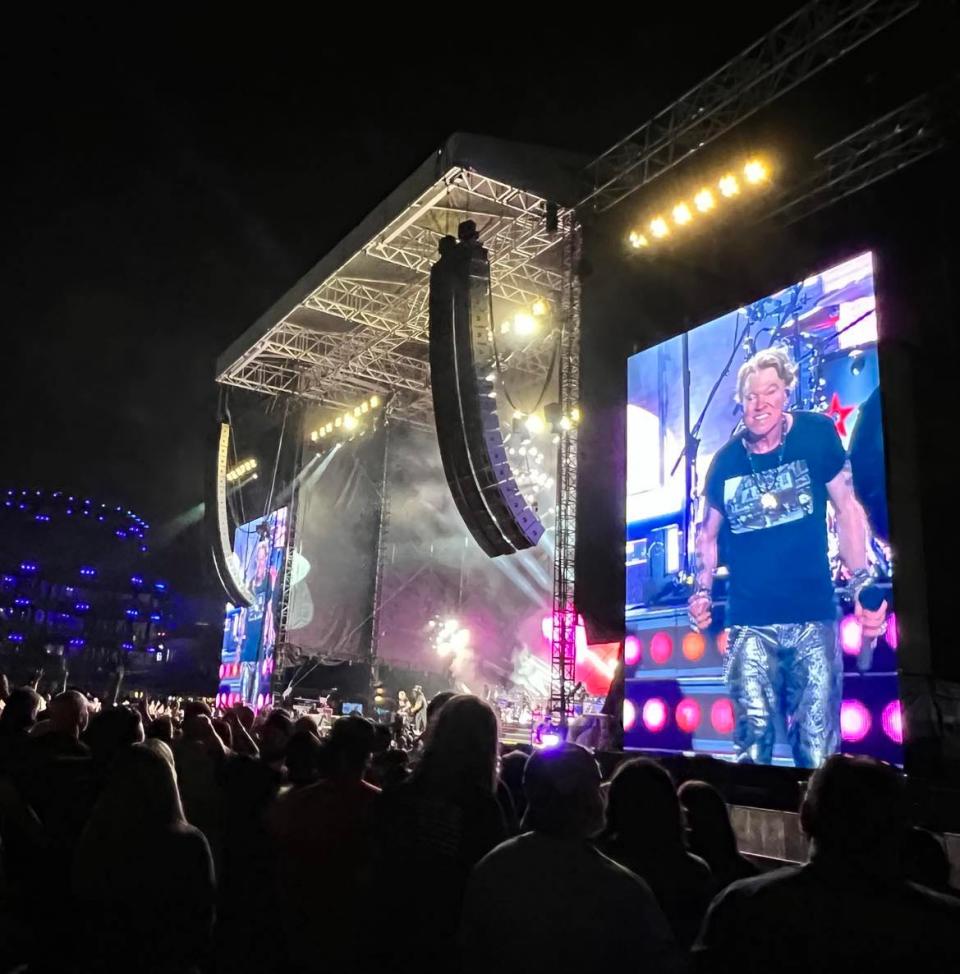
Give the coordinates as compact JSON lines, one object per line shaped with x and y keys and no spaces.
{"x":250,"y":634}
{"x":759,"y":606}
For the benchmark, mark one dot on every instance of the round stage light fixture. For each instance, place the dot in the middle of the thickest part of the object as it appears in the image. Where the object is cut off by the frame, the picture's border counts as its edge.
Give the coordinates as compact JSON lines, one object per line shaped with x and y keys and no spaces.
{"x":632,"y":650}
{"x":682,"y":214}
{"x":658,"y":227}
{"x":638,"y":240}
{"x":349,"y":422}
{"x":374,"y":402}
{"x":539,"y":308}
{"x":723,"y":639}
{"x":661,"y":648}
{"x":755,"y":171}
{"x":728,"y":186}
{"x":851,"y":635}
{"x":524,"y":324}
{"x":704,"y":201}
{"x":629,"y":714}
{"x":855,"y":721}
{"x":688,"y":715}
{"x":693,"y":646}
{"x":721,"y":716}
{"x":654,"y":715}
{"x":891,"y":720}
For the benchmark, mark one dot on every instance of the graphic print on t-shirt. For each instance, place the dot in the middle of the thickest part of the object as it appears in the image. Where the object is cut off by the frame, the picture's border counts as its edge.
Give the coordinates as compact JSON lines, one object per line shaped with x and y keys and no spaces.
{"x":789,"y":483}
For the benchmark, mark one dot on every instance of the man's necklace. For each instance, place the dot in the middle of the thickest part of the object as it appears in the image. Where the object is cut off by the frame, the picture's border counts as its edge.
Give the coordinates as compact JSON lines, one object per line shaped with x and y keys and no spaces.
{"x":766,"y":480}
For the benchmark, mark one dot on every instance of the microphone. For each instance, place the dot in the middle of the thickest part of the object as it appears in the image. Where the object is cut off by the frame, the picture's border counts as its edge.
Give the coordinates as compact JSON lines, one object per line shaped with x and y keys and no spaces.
{"x":871,"y":597}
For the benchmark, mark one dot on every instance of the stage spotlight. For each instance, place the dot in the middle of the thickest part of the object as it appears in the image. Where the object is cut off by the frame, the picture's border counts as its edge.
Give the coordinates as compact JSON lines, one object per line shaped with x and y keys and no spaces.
{"x":682,"y":214}
{"x":575,"y":414}
{"x":374,"y":402}
{"x":658,"y":227}
{"x":314,"y":435}
{"x":524,"y":324}
{"x":356,"y":410}
{"x":638,"y":240}
{"x":535,"y":424}
{"x":505,"y":328}
{"x":855,"y":721}
{"x":338,"y":422}
{"x":704,"y":201}
{"x":539,"y":308}
{"x":654,"y":715}
{"x":349,"y":422}
{"x":728,"y":186}
{"x":241,"y":470}
{"x":755,"y":171}
{"x":565,"y":423}
{"x":364,"y":407}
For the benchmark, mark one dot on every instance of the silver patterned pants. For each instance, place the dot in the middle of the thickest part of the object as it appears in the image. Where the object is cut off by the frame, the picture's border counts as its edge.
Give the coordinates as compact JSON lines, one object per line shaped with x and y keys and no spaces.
{"x":792,"y":672}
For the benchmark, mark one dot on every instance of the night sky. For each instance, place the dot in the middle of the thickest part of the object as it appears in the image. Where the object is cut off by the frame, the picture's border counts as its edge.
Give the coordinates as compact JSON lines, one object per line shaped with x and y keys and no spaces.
{"x":166,"y":181}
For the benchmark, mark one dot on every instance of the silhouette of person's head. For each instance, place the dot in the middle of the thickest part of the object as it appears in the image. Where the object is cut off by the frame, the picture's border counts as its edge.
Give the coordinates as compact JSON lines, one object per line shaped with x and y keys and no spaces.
{"x":275,"y":735}
{"x":350,"y":743}
{"x":708,"y":821}
{"x":112,"y":730}
{"x":69,"y":713}
{"x":642,"y":805}
{"x":20,"y":713}
{"x":161,"y":729}
{"x":562,"y":787}
{"x":855,"y":808}
{"x":436,"y":702}
{"x":461,"y":749}
{"x":307,"y":758}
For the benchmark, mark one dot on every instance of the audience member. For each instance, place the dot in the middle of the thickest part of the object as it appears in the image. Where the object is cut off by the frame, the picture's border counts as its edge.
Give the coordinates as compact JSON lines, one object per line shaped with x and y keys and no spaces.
{"x":137,"y":840}
{"x":711,"y":835}
{"x":275,"y":734}
{"x":547,"y":900}
{"x":59,"y":734}
{"x":512,"y":765}
{"x":849,"y":908}
{"x":322,"y":838}
{"x":307,"y":759}
{"x":109,"y":733}
{"x":645,"y":833}
{"x":437,"y":825}
{"x":161,"y":729}
{"x":18,"y":717}
{"x":925,"y":861}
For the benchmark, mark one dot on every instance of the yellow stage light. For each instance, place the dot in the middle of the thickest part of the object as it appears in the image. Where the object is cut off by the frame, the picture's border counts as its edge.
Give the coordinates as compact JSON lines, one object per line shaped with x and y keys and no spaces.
{"x":356,"y":410}
{"x":704,"y":201}
{"x":575,"y":414}
{"x":565,"y":423}
{"x":755,"y":171}
{"x":534,"y":424}
{"x":313,"y":436}
{"x":338,"y":422}
{"x":505,"y":328}
{"x":349,"y":422}
{"x":539,"y":308}
{"x":658,"y":227}
{"x":638,"y":240}
{"x":364,"y":407}
{"x":682,"y":214}
{"x":524,"y":324}
{"x":728,"y":185}
{"x":374,"y":402}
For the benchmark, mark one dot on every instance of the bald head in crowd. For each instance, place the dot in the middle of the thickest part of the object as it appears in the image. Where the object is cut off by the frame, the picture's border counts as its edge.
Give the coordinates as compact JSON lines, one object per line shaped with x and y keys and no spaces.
{"x":68,"y":713}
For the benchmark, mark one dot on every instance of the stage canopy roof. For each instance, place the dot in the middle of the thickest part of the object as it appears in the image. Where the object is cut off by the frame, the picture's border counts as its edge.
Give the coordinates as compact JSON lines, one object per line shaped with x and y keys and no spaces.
{"x":357,"y":323}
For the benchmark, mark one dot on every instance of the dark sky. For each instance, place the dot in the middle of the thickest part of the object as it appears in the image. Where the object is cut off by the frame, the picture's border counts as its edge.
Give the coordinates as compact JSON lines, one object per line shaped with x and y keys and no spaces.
{"x":165,"y":181}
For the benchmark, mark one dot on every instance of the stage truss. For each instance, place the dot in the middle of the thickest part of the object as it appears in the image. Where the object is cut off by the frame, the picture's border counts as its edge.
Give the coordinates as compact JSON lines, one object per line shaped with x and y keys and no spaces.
{"x":363,"y":330}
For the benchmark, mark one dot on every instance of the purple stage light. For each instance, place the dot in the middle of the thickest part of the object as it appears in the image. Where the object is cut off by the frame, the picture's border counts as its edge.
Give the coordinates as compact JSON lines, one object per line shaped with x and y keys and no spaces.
{"x":851,"y":635}
{"x":891,"y":719}
{"x":855,"y":721}
{"x":551,"y":739}
{"x":892,"y":635}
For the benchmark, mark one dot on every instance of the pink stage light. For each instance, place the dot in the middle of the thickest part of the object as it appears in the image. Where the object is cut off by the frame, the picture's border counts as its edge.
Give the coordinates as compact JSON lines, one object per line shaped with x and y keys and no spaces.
{"x":851,"y":635}
{"x":892,"y":636}
{"x":721,"y":716}
{"x":654,"y":715}
{"x":688,"y":715}
{"x":854,"y":721}
{"x":223,"y":670}
{"x":629,"y":714}
{"x":632,"y":650}
{"x":891,"y":720}
{"x":661,"y":647}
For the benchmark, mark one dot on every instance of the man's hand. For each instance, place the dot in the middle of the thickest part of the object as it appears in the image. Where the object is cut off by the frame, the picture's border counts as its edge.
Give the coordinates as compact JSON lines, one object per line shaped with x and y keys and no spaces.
{"x":699,"y":609}
{"x":873,"y":622}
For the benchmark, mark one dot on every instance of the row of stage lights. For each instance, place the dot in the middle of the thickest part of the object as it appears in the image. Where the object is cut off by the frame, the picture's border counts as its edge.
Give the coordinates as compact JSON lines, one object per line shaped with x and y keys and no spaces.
{"x":244,"y":470}
{"x":754,"y":174}
{"x":347,"y":423}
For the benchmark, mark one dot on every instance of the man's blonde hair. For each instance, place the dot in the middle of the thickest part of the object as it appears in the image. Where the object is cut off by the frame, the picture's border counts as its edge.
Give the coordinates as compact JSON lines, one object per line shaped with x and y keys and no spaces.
{"x":777,"y":358}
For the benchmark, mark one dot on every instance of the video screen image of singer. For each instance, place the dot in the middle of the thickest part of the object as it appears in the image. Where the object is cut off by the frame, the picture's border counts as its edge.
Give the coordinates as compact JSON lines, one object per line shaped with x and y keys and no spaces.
{"x":759,"y":607}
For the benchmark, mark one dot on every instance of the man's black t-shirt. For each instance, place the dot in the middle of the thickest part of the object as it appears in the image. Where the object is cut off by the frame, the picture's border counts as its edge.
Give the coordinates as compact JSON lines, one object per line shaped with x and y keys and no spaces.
{"x":777,"y":555}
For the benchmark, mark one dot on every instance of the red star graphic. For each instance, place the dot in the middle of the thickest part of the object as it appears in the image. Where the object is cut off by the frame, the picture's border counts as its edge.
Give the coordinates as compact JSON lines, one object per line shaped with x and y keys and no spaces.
{"x":839,"y":414}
